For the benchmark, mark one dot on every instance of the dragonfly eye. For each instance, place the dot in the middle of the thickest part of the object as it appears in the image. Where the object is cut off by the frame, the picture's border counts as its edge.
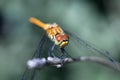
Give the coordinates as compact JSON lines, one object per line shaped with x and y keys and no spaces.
{"x":63,"y":39}
{"x":59,"y":37}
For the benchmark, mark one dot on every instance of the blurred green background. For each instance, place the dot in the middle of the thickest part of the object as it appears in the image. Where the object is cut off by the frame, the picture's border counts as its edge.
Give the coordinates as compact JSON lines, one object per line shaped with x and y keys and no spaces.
{"x":97,"y":21}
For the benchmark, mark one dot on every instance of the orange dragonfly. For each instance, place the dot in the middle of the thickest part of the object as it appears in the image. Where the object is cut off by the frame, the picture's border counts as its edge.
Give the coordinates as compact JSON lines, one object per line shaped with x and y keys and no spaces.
{"x":54,"y":32}
{"x":60,"y":38}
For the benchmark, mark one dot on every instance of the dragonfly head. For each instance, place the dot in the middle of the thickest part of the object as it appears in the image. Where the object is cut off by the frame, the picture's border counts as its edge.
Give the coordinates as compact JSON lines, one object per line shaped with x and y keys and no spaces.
{"x":62,"y":39}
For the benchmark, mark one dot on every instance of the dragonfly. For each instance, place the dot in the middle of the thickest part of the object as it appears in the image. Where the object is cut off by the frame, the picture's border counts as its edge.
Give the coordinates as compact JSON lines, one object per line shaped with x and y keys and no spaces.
{"x":60,"y":39}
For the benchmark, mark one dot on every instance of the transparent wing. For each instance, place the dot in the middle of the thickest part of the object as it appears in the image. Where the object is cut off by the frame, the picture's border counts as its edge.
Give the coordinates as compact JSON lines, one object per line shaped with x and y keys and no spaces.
{"x":90,"y":46}
{"x":37,"y":54}
{"x":40,"y":48}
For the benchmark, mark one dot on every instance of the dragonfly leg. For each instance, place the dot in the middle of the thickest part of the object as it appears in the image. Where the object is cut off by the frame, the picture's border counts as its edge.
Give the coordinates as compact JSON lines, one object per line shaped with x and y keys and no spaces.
{"x":50,"y":52}
{"x":62,"y":53}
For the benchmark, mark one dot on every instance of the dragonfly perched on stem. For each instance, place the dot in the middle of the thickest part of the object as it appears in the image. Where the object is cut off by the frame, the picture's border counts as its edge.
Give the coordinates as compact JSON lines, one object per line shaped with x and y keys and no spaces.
{"x":54,"y":32}
{"x":60,"y":38}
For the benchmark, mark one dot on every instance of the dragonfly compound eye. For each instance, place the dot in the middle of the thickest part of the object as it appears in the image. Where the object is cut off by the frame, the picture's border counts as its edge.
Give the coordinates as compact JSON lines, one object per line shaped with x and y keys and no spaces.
{"x":62,"y":39}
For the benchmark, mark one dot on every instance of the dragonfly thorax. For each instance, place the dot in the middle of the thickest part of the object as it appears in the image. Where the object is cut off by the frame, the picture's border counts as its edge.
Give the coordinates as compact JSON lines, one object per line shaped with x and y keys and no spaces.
{"x":57,"y":35}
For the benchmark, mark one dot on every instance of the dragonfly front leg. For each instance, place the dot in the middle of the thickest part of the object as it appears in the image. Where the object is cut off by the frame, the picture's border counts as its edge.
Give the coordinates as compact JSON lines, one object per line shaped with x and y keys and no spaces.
{"x":50,"y":52}
{"x":62,"y":53}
